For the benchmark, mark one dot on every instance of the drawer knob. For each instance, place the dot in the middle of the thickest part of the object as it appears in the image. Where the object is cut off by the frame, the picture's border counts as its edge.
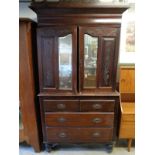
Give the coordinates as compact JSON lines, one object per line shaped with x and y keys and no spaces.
{"x":96,"y":134}
{"x":61,"y":106}
{"x":62,"y":135}
{"x":97,"y":120}
{"x":97,"y":106}
{"x":61,"y":119}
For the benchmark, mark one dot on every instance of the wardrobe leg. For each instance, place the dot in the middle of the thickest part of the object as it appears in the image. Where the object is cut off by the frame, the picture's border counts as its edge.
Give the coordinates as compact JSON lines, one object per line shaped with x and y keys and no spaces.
{"x":109,"y":147}
{"x":48,"y":148}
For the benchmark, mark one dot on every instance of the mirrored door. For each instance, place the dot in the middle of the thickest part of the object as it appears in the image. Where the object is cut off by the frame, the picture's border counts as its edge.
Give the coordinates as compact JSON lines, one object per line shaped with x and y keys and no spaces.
{"x":98,"y":57}
{"x":58,"y":59}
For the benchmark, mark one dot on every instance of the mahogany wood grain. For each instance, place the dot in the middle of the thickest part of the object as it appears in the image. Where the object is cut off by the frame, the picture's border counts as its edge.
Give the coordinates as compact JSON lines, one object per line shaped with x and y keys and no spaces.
{"x":97,"y":105}
{"x":90,"y":119}
{"x":61,"y":105}
{"x":69,"y":13}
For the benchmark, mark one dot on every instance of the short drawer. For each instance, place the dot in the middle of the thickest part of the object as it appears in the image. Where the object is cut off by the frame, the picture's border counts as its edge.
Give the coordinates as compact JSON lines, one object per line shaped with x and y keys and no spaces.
{"x":97,"y":105}
{"x":79,"y":119}
{"x":79,"y":134}
{"x":61,"y":105}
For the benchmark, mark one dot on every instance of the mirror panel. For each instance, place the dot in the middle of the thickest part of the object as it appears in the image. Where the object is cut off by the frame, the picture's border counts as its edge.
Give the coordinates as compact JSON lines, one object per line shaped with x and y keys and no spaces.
{"x":65,"y":62}
{"x":90,"y":60}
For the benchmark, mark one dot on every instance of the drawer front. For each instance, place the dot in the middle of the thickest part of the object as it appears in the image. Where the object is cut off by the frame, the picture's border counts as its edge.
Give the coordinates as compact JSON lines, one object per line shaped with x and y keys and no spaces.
{"x":79,"y":119}
{"x":97,"y":105}
{"x":61,"y":105}
{"x":79,"y":134}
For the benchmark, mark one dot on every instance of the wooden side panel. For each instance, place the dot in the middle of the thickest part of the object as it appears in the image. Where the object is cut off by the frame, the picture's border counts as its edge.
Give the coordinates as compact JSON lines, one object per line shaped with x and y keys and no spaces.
{"x":127,"y":80}
{"x":26,"y":85}
{"x":127,"y":130}
{"x":107,"y":56}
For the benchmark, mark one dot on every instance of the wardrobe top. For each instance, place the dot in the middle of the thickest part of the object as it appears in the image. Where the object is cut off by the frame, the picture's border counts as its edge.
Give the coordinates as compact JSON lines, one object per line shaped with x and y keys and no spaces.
{"x":80,"y":5}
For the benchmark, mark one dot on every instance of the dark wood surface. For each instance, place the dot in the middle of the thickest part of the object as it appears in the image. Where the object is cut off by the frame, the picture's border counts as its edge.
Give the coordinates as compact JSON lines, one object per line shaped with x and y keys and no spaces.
{"x":67,"y":13}
{"x":75,"y":123}
{"x":106,"y":64}
{"x":27,"y":92}
{"x":97,"y":105}
{"x":47,"y":41}
{"x":61,"y":105}
{"x":79,"y":135}
{"x":79,"y":119}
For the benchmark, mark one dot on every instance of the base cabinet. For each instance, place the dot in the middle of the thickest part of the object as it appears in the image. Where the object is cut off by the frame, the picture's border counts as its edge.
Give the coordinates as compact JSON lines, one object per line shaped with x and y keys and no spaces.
{"x":79,"y":120}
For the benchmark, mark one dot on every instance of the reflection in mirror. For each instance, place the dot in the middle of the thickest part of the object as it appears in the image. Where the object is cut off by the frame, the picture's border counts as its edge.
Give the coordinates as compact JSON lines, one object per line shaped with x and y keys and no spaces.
{"x":90,"y":60}
{"x":65,"y":62}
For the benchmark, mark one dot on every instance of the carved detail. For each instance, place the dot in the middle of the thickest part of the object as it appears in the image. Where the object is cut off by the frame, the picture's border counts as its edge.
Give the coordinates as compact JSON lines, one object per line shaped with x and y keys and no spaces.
{"x":54,"y":32}
{"x":99,"y":31}
{"x":109,"y":51}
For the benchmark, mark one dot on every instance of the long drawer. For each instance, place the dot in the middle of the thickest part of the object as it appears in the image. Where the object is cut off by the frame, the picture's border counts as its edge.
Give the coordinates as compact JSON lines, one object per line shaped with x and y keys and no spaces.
{"x":61,"y":105}
{"x":79,"y":134}
{"x":79,"y":119}
{"x":97,"y":105}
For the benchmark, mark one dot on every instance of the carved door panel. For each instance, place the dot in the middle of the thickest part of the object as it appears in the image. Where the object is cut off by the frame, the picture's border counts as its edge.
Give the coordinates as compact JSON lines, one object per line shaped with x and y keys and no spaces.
{"x":98,"y":57}
{"x":57,"y":58}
